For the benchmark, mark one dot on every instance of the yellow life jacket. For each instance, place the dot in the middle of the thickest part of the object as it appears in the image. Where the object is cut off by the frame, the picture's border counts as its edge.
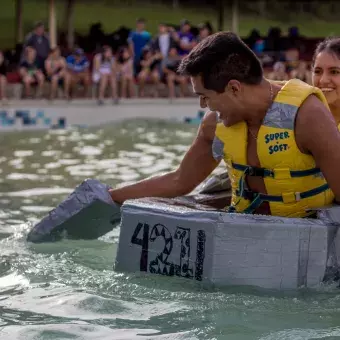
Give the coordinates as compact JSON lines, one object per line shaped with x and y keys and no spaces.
{"x":292,"y":181}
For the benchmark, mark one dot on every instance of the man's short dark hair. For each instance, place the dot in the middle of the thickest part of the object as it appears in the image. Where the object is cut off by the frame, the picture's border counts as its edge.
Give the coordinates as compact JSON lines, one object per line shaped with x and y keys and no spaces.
{"x":38,"y":24}
{"x":219,"y":58}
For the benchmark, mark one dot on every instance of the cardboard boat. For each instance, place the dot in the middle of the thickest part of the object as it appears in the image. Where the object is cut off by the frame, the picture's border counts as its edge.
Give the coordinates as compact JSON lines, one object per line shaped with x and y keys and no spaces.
{"x":194,"y":238}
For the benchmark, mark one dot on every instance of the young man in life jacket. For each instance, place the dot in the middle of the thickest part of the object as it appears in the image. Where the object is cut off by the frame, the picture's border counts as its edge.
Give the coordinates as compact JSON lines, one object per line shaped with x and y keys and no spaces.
{"x":280,"y":142}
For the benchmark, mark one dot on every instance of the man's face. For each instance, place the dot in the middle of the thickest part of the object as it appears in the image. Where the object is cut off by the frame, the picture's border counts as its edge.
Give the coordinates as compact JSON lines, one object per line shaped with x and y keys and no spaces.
{"x":162,"y":29}
{"x":40,"y":30}
{"x":227,"y":103}
{"x":204,"y":32}
{"x":31,"y":53}
{"x":140,"y":26}
{"x":186,"y":28}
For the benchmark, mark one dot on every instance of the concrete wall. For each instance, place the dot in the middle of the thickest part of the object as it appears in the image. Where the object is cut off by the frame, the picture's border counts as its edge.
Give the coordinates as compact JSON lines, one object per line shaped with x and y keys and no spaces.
{"x":28,"y":115}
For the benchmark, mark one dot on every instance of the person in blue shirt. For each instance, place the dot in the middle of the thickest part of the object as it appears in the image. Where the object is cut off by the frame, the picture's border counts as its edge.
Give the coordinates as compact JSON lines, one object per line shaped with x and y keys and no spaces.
{"x":78,"y":67}
{"x":137,"y":40}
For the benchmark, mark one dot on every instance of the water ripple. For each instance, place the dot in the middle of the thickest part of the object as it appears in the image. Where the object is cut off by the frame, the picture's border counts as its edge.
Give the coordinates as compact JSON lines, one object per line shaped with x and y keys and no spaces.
{"x":68,"y":290}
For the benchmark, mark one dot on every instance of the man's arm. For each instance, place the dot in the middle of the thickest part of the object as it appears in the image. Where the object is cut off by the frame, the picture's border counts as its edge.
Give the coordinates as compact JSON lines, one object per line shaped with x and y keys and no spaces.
{"x":196,"y":165}
{"x":317,"y":134}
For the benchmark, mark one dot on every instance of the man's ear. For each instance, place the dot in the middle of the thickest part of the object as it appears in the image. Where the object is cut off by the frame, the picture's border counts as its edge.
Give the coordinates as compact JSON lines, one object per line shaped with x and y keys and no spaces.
{"x":233,"y":87}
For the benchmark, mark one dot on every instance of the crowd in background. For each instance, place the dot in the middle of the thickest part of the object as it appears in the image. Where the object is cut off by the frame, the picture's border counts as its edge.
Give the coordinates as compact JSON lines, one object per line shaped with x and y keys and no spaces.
{"x":138,"y":62}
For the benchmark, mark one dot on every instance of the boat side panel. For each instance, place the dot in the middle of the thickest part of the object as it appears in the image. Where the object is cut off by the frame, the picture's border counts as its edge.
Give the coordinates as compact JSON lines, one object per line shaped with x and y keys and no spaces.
{"x":319,"y":253}
{"x":265,"y":251}
{"x":165,"y":243}
{"x":256,"y":254}
{"x":269,"y":255}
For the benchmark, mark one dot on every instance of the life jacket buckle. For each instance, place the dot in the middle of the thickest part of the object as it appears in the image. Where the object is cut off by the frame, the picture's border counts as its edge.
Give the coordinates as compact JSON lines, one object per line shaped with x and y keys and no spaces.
{"x":291,"y":197}
{"x":282,"y":173}
{"x":254,"y":171}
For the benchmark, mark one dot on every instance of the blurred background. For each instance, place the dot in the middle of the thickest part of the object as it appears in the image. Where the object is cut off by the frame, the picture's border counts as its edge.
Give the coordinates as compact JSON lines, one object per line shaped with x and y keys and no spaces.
{"x":78,"y":48}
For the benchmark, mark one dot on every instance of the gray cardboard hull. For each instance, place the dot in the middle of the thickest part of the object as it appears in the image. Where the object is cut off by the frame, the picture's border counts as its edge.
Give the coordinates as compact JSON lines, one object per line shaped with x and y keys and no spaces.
{"x":87,"y":213}
{"x":221,"y":248}
{"x":178,"y":237}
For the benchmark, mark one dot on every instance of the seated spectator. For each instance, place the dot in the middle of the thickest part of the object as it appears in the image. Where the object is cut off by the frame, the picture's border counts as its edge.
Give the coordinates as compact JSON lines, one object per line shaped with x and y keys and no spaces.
{"x":125,"y":73}
{"x":55,"y":66}
{"x":184,"y":38}
{"x":274,"y":41}
{"x":279,"y":72}
{"x":78,"y":69}
{"x":302,"y":72}
{"x":163,"y":41}
{"x":3,"y":74}
{"x":267,"y":64}
{"x":253,"y":37}
{"x":149,"y":71}
{"x":292,"y":57}
{"x":171,"y":77}
{"x":105,"y":73}
{"x":204,"y":32}
{"x":295,"y":40}
{"x":30,"y":73}
{"x":259,"y":47}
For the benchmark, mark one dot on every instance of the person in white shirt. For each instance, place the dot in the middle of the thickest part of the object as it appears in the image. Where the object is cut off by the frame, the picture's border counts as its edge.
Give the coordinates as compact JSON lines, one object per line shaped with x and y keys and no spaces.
{"x":105,"y":73}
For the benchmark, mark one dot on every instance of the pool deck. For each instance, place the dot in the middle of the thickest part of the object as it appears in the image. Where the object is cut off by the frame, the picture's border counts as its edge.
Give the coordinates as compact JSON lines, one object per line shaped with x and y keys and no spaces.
{"x":43,"y":114}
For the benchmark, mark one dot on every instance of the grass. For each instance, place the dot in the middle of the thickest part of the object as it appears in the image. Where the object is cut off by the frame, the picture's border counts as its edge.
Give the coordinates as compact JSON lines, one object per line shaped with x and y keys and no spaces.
{"x":112,"y":15}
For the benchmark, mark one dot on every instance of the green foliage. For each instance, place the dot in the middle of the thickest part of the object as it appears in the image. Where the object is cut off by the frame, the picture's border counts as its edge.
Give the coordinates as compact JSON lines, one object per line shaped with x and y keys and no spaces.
{"x":315,"y":19}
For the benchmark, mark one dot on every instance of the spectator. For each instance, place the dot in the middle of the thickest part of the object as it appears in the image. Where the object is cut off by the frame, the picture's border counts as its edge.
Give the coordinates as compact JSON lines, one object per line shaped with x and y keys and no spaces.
{"x":203,"y":32}
{"x":137,"y":40}
{"x":259,"y":47}
{"x":39,"y":40}
{"x":267,"y":64}
{"x":294,"y":39}
{"x":163,"y":41}
{"x":279,"y":72}
{"x":274,"y":42}
{"x":125,"y":72}
{"x":253,"y":37}
{"x":184,"y":38}
{"x":55,"y":66}
{"x":78,"y":69}
{"x":302,"y":72}
{"x":3,"y":74}
{"x":105,"y":73}
{"x":292,"y":57}
{"x":171,"y":77}
{"x":30,"y":72}
{"x":149,"y":70}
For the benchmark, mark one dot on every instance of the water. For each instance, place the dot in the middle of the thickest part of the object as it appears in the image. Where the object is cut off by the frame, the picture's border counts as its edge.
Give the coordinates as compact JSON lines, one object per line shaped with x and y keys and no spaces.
{"x":68,"y":290}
